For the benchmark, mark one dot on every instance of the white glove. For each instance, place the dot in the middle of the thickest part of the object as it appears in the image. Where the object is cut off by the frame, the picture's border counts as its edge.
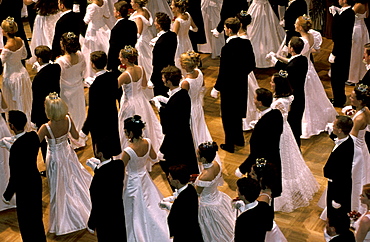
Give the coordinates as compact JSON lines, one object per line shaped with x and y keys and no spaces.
{"x":282,"y":23}
{"x":348,"y":110}
{"x":271,"y":57}
{"x":214,"y":93}
{"x":284,"y":51}
{"x":165,"y":205}
{"x":215,"y":32}
{"x":238,"y":173}
{"x":237,"y":204}
{"x":158,"y":99}
{"x":92,"y":162}
{"x":335,"y":205}
{"x":90,"y":230}
{"x":150,"y":84}
{"x":329,"y":127}
{"x":193,"y":29}
{"x":331,"y":58}
{"x":169,"y":199}
{"x":7,"y":142}
{"x":333,"y":10}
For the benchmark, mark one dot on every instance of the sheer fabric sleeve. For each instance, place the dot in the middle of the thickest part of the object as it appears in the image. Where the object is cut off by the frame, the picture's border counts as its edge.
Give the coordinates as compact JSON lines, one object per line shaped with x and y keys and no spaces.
{"x":24,"y":52}
{"x":5,"y":54}
{"x":89,"y":13}
{"x":317,"y":39}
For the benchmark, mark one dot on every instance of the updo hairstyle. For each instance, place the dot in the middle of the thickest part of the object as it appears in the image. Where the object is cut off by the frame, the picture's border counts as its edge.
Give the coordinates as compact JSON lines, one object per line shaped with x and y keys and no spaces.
{"x":135,"y":125}
{"x":208,"y":150}
{"x":141,"y":3}
{"x":244,"y":18}
{"x":190,"y":59}
{"x":55,"y":108}
{"x":130,"y":53}
{"x":266,"y":173}
{"x":282,"y":84}
{"x":305,"y":22}
{"x":10,"y":26}
{"x":70,"y":42}
{"x":182,"y":5}
{"x":362,"y":92}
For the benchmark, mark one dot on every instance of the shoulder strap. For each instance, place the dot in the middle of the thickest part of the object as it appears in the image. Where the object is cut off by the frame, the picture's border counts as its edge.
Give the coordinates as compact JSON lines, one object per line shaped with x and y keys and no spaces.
{"x":69,"y":123}
{"x":128,"y":73}
{"x":49,"y":130}
{"x":149,"y":145}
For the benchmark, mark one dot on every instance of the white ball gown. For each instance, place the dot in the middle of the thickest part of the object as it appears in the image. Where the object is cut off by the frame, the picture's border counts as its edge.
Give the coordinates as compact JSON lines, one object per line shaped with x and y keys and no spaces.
{"x":264,"y":32}
{"x":216,"y":217}
{"x":183,"y":40}
{"x":16,"y":82}
{"x":97,"y":33}
{"x":134,"y":102}
{"x":145,"y":220}
{"x":69,"y":184}
{"x":318,"y":112}
{"x":298,"y":183}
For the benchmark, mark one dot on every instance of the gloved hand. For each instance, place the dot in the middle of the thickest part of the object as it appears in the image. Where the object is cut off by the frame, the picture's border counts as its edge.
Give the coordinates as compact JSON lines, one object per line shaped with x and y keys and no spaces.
{"x":214,"y":93}
{"x":215,"y":33}
{"x":331,"y":58}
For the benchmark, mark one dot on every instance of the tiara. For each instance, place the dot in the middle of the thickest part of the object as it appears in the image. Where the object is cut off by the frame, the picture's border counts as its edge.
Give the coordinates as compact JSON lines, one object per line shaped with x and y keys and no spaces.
{"x":53,"y":96}
{"x":306,"y":17}
{"x":191,"y":53}
{"x":283,"y":74}
{"x":208,"y":144}
{"x":261,"y":162}
{"x":10,"y":20}
{"x":71,"y":35}
{"x":128,"y":49}
{"x":135,"y":121}
{"x":362,"y":87}
{"x":243,"y":13}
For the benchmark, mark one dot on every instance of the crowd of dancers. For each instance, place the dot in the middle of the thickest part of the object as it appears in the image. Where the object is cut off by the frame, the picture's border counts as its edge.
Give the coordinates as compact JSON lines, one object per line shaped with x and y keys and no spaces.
{"x":146,"y":53}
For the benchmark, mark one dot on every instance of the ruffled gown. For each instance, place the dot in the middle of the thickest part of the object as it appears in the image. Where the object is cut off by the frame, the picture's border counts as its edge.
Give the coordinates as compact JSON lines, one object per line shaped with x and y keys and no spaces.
{"x":360,"y":37}
{"x":133,"y":102}
{"x":69,"y":184}
{"x":183,"y":40}
{"x":264,"y":32}
{"x":97,"y":33}
{"x":145,"y":220}
{"x":16,"y":87}
{"x":298,"y":183}
{"x":319,"y":111}
{"x":216,"y":217}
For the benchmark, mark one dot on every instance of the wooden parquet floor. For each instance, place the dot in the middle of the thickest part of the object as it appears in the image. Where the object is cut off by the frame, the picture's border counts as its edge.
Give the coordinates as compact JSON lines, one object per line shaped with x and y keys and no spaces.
{"x":302,"y":224}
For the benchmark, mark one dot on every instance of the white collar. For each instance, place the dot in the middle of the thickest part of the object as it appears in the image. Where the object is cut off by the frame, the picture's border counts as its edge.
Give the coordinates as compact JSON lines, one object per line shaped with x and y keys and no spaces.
{"x":19,"y":135}
{"x":181,"y":189}
{"x":155,"y":39}
{"x":103,"y":163}
{"x":65,"y":12}
{"x":43,"y":65}
{"x":160,"y":33}
{"x":265,"y":111}
{"x":100,"y":73}
{"x":231,"y":37}
{"x":293,"y":56}
{"x":248,"y":206}
{"x":173,"y":91}
{"x":367,"y":66}
{"x":343,"y":9}
{"x":117,"y":21}
{"x":338,"y":141}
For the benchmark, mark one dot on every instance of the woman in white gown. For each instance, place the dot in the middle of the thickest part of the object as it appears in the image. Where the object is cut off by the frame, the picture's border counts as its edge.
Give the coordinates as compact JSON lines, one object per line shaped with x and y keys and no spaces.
{"x":69,"y":181}
{"x":264,"y":32}
{"x":298,"y":183}
{"x":216,"y":217}
{"x":360,"y":37}
{"x":183,"y":23}
{"x":73,"y":67}
{"x":44,"y":26}
{"x":319,"y":111}
{"x":145,"y":221}
{"x":362,"y":225}
{"x":133,"y":100}
{"x":97,"y":33}
{"x":16,"y":81}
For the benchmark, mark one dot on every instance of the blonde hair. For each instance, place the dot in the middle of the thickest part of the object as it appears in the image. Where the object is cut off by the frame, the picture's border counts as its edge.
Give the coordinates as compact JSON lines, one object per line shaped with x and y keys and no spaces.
{"x":9,"y":26}
{"x":130,"y":53}
{"x":305,"y":22}
{"x":366,"y":189}
{"x":190,"y":59}
{"x":182,"y":5}
{"x":141,"y":3}
{"x":55,"y":108}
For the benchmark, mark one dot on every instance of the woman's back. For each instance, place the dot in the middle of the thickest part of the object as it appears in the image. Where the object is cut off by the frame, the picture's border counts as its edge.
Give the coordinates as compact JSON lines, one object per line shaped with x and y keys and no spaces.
{"x":139,"y":154}
{"x":72,"y":69}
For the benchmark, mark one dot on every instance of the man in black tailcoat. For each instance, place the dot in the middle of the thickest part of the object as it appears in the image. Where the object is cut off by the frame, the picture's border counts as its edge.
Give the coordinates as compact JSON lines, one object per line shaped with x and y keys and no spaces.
{"x":295,"y":9}
{"x":237,"y":61}
{"x":25,"y":180}
{"x":164,"y":50}
{"x":199,"y":37}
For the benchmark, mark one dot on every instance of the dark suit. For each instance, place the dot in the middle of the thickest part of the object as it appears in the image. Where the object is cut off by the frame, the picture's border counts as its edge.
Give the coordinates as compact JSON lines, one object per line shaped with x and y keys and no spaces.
{"x":183,"y":218}
{"x":69,"y":22}
{"x":297,"y":73}
{"x":163,"y":55}
{"x":230,"y":9}
{"x":199,"y":37}
{"x":342,"y":38}
{"x":237,"y":61}
{"x":107,"y":213}
{"x":252,"y":224}
{"x":296,"y":9}
{"x":25,"y":182}
{"x":265,"y":143}
{"x":102,"y":115}
{"x":338,"y":168}
{"x":348,"y":236}
{"x":178,"y":144}
{"x":366,"y":79}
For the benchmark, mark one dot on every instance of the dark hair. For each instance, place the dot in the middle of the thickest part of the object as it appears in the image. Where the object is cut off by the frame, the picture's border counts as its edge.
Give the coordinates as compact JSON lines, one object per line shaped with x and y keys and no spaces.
{"x":367,"y":47}
{"x":297,"y":44}
{"x":122,"y":7}
{"x":249,"y":188}
{"x":130,"y":53}
{"x":163,"y":20}
{"x":182,"y":5}
{"x":233,"y":24}
{"x":172,"y":74}
{"x":282,"y":86}
{"x":344,"y":123}
{"x":104,"y":146}
{"x":68,"y":4}
{"x":245,"y":19}
{"x":267,"y":175}
{"x":208,"y":150}
{"x":350,"y":2}
{"x":135,"y":125}
{"x":43,"y":52}
{"x":362,"y":94}
{"x":46,"y":7}
{"x":99,"y":59}
{"x":264,"y":96}
{"x":70,"y":42}
{"x":180,"y":172}
{"x":18,"y":119}
{"x":340,"y":221}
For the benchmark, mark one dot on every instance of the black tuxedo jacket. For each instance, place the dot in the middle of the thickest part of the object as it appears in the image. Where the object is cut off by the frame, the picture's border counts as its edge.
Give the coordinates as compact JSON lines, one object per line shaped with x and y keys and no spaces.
{"x":122,"y":34}
{"x":178,"y":144}
{"x":230,"y":9}
{"x":69,"y":22}
{"x":252,"y":224}
{"x":194,"y":9}
{"x":102,"y":115}
{"x":25,"y":181}
{"x":365,"y":80}
{"x":265,"y":143}
{"x":342,"y":34}
{"x":295,"y":10}
{"x":47,"y":80}
{"x":338,"y":168}
{"x":237,"y":61}
{"x":107,"y":213}
{"x":183,"y":218}
{"x":348,"y":236}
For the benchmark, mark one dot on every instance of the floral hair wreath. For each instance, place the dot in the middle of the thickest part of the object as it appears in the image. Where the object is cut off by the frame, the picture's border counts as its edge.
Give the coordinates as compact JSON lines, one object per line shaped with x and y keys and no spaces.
{"x":261,"y":162}
{"x":71,"y":35}
{"x":53,"y":96}
{"x":208,"y":144}
{"x":362,"y":88}
{"x":10,"y":20}
{"x":243,"y":13}
{"x":283,"y":74}
{"x":306,"y":17}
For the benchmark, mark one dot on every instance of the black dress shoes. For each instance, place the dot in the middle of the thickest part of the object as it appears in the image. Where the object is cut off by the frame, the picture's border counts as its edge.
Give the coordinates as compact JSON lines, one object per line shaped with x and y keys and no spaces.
{"x":228,"y":148}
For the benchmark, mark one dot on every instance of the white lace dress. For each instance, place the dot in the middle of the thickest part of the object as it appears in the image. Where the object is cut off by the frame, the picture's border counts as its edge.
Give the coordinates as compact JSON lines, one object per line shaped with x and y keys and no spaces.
{"x":69,"y":184}
{"x":183,"y":40}
{"x":264,"y":32}
{"x":298,"y":184}
{"x":72,"y":88}
{"x":97,"y":33}
{"x":319,"y":111}
{"x":133,"y":102}
{"x":16,"y":87}
{"x":145,"y":220}
{"x":360,"y":37}
{"x":216,"y":217}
